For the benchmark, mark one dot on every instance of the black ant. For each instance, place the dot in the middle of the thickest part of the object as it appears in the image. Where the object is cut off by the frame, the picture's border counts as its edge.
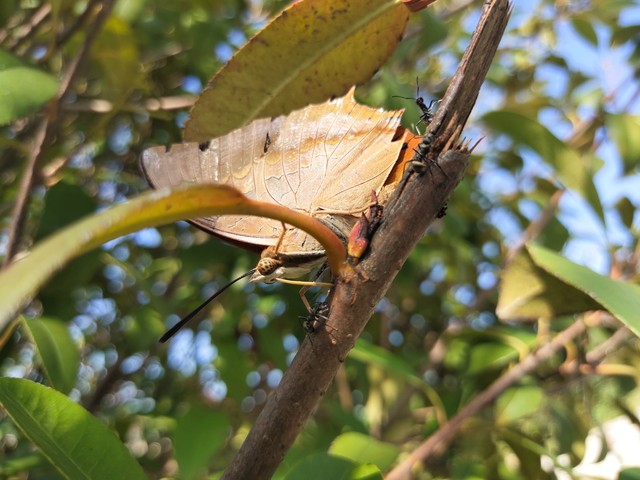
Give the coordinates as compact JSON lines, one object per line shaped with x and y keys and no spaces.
{"x":317,"y":318}
{"x":427,"y":111}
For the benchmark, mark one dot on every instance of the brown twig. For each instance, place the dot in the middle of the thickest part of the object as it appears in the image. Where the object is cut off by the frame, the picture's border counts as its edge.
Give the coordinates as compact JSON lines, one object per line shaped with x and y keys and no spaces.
{"x":25,"y":32}
{"x":22,"y":200}
{"x":11,"y":25}
{"x":81,"y":21}
{"x":406,"y":217}
{"x":611,"y":344}
{"x":44,"y":134}
{"x":149,"y":105}
{"x":439,"y":442}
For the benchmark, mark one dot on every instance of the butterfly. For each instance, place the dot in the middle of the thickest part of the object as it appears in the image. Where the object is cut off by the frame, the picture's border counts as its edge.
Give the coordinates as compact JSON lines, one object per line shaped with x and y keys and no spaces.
{"x":324,"y":160}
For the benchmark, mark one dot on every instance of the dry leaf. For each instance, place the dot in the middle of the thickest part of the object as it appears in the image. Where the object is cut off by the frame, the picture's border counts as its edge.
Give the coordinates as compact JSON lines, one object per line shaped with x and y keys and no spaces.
{"x":324,"y":160}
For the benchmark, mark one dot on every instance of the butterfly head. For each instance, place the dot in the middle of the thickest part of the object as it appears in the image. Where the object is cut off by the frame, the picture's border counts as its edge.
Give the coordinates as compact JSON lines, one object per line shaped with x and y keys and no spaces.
{"x":275,"y":266}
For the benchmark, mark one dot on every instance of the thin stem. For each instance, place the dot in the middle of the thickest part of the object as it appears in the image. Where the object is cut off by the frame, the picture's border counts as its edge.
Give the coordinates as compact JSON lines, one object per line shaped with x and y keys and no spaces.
{"x":44,"y":132}
{"x":439,"y":442}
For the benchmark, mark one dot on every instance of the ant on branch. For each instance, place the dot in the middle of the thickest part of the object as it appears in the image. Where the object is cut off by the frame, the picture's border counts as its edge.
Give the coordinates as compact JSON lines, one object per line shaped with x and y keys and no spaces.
{"x":427,"y":111}
{"x":318,"y":317}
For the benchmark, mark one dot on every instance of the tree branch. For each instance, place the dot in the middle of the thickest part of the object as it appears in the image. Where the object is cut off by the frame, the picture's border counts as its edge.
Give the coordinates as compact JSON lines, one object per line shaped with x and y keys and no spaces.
{"x":408,"y":213}
{"x":438,"y":443}
{"x":24,"y":32}
{"x":45,"y":132}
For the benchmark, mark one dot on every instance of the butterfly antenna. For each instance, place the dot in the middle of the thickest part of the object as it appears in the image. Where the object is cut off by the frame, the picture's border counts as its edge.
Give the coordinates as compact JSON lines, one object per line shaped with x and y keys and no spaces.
{"x":173,"y":330}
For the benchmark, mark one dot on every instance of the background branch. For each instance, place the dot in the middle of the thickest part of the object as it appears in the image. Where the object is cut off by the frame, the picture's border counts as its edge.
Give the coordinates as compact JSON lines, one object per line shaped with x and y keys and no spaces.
{"x":439,"y":442}
{"x":44,"y":134}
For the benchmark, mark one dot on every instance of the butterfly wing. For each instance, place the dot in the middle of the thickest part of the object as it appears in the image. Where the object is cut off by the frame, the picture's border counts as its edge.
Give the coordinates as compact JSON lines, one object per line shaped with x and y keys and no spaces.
{"x":323,"y":157}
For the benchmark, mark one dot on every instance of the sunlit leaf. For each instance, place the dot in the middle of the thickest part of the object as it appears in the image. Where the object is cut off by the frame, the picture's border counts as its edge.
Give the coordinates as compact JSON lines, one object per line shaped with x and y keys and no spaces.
{"x":541,"y":283}
{"x":365,"y":449}
{"x":59,"y":354}
{"x":517,"y":402}
{"x":621,"y":299}
{"x":529,"y":292}
{"x":284,"y":60}
{"x":73,"y":440}
{"x":23,"y":278}
{"x":24,"y":88}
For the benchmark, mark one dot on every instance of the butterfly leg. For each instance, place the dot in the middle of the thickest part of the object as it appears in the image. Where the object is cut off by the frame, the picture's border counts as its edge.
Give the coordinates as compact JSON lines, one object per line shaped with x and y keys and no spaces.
{"x":279,"y":242}
{"x":313,"y":283}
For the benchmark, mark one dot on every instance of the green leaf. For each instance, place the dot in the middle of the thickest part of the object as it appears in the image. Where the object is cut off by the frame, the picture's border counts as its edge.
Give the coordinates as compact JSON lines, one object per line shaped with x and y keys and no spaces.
{"x":489,"y":355}
{"x":584,"y":28}
{"x":233,"y":365}
{"x":371,"y":354}
{"x":9,"y":60}
{"x":433,"y":29}
{"x":517,"y":402}
{"x":63,"y":204}
{"x":142,"y":329}
{"x":24,"y":88}
{"x":621,"y":299}
{"x":24,"y":91}
{"x":626,"y":210}
{"x":364,"y":449}
{"x":529,"y":292}
{"x":198,"y":435}
{"x":74,"y":441}
{"x":314,"y":50}
{"x":622,"y":34}
{"x":574,"y":170}
{"x":59,"y":354}
{"x":115,"y":57}
{"x":631,"y":473}
{"x":36,"y":464}
{"x":322,"y":466}
{"x":541,"y":283}
{"x":624,"y":130}
{"x":22,"y":279}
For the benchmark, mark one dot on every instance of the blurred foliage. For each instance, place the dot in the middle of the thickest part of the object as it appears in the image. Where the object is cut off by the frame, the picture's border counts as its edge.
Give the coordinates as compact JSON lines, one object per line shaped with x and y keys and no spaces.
{"x":559,"y":109}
